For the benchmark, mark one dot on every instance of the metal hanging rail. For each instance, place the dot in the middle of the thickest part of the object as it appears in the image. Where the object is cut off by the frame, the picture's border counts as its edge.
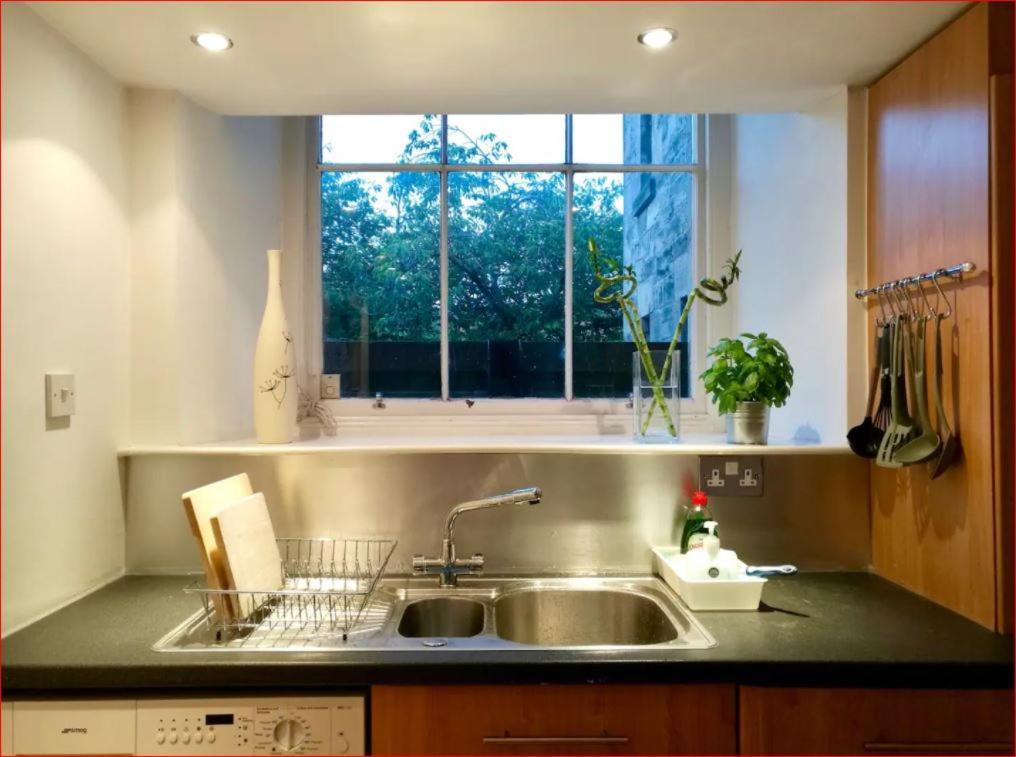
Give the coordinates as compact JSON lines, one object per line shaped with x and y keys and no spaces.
{"x":955,"y":270}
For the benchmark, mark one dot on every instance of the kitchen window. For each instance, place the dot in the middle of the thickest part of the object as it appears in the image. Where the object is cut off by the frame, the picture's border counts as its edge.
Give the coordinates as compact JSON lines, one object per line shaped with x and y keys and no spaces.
{"x":453,"y":257}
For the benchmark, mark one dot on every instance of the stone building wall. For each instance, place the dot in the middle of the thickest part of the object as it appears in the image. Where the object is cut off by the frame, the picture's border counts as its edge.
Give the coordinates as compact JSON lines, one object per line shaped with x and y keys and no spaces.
{"x":658,"y":219}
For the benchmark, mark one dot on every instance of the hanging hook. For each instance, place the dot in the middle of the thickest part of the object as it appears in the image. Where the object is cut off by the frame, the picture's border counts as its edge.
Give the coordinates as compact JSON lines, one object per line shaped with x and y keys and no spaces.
{"x":890,"y":301}
{"x":881,"y":322}
{"x":924,"y":296}
{"x":912,"y":311}
{"x":938,"y":288}
{"x":899,"y":311}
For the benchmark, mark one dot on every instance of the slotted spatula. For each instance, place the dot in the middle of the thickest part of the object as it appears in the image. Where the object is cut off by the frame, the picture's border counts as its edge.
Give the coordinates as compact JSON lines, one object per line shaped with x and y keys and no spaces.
{"x":901,"y":427}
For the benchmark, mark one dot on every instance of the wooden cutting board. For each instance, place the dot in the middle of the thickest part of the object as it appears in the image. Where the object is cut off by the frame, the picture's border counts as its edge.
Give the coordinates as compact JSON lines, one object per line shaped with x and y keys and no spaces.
{"x":201,"y":505}
{"x":246,"y":540}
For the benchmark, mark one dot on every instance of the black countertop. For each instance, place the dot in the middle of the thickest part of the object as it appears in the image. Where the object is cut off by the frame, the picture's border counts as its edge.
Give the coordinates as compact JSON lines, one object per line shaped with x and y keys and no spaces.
{"x":830,"y":629}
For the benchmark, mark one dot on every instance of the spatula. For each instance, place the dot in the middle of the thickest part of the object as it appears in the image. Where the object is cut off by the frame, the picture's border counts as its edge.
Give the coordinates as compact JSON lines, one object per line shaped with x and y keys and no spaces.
{"x":950,"y":446}
{"x":902,"y":426}
{"x":881,"y":418}
{"x":885,"y":450}
{"x":924,"y":446}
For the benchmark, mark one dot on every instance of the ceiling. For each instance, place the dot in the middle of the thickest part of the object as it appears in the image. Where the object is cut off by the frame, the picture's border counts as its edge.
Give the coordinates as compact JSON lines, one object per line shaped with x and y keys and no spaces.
{"x":498,"y":57}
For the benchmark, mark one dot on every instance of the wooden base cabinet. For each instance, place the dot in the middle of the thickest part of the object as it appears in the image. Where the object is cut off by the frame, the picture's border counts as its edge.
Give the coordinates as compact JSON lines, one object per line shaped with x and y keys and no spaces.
{"x":875,"y":721}
{"x":558,"y":719}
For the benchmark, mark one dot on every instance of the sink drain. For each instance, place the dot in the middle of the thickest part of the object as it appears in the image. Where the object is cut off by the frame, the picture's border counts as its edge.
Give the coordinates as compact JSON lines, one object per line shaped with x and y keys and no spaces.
{"x":434,"y":643}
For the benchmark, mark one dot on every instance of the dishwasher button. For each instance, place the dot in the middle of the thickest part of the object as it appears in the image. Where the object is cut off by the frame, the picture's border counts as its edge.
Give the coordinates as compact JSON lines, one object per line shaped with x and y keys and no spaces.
{"x":160,"y":738}
{"x":172,"y":737}
{"x":186,"y":737}
{"x":211,"y":737}
{"x":199,"y":737}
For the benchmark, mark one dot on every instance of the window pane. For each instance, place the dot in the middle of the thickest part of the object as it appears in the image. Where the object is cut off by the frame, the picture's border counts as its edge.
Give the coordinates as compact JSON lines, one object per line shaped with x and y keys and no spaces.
{"x":634,"y":139}
{"x":506,"y":139}
{"x":644,"y":220}
{"x":506,"y":284}
{"x":380,"y":274}
{"x":380,"y":139}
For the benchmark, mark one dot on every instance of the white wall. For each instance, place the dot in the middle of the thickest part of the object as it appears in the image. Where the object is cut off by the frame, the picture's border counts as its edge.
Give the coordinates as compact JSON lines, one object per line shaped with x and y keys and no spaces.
{"x":207,"y":195}
{"x":134,"y":234}
{"x":789,"y":215}
{"x":66,"y":280}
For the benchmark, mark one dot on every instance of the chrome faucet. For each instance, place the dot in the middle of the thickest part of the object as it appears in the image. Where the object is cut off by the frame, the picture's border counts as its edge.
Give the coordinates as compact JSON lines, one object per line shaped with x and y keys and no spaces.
{"x":448,"y":566}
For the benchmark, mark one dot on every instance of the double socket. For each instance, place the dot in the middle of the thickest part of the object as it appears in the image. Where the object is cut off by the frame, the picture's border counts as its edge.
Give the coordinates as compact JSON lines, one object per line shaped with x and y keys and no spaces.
{"x":731,"y":475}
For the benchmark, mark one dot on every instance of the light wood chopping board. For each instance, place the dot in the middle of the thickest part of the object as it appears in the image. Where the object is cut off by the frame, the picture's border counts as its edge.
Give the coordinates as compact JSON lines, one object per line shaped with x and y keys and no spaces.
{"x":246,"y":540}
{"x":201,"y":505}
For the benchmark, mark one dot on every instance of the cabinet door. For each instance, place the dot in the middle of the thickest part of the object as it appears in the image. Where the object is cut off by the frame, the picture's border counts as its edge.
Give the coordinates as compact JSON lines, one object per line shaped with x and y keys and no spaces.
{"x":566,"y":719}
{"x":875,"y":721}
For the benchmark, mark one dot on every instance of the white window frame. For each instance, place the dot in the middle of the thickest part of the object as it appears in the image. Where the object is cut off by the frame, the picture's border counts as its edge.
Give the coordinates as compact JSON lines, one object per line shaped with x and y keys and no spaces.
{"x":694,"y":410}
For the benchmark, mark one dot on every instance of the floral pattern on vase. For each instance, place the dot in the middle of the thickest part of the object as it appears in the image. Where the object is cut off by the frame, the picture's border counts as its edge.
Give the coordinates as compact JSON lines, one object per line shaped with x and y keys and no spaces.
{"x":275,"y":395}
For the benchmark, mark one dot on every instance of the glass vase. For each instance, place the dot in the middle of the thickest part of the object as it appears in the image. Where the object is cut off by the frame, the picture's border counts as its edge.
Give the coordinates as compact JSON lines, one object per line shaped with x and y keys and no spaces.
{"x":656,"y":396}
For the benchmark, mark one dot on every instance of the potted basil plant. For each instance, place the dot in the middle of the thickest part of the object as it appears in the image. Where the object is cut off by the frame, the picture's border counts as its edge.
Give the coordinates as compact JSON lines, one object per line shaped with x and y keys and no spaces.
{"x":745,"y":380}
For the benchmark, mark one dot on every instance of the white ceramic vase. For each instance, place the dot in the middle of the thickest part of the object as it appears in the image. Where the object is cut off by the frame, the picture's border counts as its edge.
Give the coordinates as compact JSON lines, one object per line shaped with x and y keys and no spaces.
{"x":275,"y":392}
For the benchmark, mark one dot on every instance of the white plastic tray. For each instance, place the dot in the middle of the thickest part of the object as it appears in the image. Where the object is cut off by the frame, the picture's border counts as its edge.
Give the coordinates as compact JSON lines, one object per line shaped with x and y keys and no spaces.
{"x":743,"y":593}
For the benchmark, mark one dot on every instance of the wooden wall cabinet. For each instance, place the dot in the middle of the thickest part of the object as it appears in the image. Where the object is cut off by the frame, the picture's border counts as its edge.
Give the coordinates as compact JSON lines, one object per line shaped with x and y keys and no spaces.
{"x":875,"y":721}
{"x":558,"y":719}
{"x":939,"y":193}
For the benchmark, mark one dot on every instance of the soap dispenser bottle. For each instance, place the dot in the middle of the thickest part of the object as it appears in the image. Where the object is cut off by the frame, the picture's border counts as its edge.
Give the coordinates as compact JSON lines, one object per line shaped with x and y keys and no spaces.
{"x":695,"y":531}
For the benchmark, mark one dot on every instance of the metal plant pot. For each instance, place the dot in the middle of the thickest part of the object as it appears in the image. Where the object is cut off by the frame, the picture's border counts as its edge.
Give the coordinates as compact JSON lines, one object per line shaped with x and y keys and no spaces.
{"x":748,"y":424}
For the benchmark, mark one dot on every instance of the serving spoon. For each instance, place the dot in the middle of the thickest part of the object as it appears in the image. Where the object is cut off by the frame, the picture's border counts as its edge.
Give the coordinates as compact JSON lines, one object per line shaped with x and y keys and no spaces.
{"x":864,"y":439}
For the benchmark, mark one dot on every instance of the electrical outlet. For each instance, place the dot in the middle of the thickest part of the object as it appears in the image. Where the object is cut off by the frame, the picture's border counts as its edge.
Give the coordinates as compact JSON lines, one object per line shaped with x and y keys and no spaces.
{"x":731,"y":475}
{"x":331,"y":384}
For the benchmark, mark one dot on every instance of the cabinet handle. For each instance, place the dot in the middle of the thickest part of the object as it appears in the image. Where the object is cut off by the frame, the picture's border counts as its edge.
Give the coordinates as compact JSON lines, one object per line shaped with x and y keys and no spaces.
{"x":937,"y":747}
{"x":555,"y":739}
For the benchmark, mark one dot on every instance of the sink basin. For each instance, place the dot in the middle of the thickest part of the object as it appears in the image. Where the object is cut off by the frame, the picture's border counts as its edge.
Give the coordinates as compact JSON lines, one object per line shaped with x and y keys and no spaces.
{"x":621,"y":615}
{"x":442,"y":617}
{"x":570,"y":618}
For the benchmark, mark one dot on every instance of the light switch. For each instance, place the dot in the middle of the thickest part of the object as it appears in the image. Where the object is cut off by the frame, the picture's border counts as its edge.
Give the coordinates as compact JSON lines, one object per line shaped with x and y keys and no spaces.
{"x":59,"y":395}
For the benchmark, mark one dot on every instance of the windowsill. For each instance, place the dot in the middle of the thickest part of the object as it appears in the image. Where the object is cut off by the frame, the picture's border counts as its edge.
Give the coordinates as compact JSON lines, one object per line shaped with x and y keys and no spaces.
{"x":416,"y":441}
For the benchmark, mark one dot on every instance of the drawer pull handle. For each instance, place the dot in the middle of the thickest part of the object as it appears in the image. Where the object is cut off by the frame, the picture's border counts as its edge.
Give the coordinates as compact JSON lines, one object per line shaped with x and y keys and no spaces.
{"x":555,"y":739}
{"x":937,"y":747}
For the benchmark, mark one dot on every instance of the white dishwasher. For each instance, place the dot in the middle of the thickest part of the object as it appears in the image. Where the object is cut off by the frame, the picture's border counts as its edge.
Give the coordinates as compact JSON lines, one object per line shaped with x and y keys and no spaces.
{"x":227,"y":726}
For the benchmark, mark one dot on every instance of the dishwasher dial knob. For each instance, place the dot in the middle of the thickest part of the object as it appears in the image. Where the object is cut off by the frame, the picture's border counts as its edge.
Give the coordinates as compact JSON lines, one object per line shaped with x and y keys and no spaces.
{"x":288,"y":734}
{"x":340,"y":745}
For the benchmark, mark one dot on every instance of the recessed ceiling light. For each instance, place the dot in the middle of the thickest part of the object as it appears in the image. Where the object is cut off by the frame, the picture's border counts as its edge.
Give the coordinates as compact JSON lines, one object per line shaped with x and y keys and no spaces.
{"x":656,"y":38}
{"x":212,"y":41}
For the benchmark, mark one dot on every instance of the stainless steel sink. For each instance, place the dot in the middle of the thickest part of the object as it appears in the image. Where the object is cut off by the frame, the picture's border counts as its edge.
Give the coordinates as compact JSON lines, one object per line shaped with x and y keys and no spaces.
{"x":443,"y":616}
{"x":575,"y":617}
{"x":632,"y":614}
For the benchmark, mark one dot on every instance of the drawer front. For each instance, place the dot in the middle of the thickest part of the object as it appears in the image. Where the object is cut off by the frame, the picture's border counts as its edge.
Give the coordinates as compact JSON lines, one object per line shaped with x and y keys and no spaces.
{"x":103,"y":727}
{"x":567,"y":719}
{"x":875,"y":721}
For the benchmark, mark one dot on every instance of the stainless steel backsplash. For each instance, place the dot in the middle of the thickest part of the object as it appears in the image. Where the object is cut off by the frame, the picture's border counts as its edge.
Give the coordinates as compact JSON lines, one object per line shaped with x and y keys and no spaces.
{"x":599,"y":512}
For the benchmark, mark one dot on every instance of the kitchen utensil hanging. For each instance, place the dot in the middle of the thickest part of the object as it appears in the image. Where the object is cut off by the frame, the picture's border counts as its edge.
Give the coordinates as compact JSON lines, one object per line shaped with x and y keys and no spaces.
{"x":901,"y":354}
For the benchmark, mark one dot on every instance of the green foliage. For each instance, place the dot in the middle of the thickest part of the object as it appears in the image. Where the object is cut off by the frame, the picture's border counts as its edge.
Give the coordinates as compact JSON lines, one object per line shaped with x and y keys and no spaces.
{"x":758,"y":372}
{"x":616,"y":286}
{"x":380,"y":236}
{"x":714,"y":292}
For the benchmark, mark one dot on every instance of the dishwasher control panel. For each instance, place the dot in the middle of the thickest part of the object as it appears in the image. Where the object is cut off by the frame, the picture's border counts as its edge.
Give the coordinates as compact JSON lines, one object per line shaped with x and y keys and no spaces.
{"x":236,"y":726}
{"x":312,"y":725}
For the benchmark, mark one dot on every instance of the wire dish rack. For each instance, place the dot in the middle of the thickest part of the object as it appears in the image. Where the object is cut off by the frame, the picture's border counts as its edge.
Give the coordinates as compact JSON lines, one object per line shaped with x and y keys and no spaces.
{"x":328,"y":590}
